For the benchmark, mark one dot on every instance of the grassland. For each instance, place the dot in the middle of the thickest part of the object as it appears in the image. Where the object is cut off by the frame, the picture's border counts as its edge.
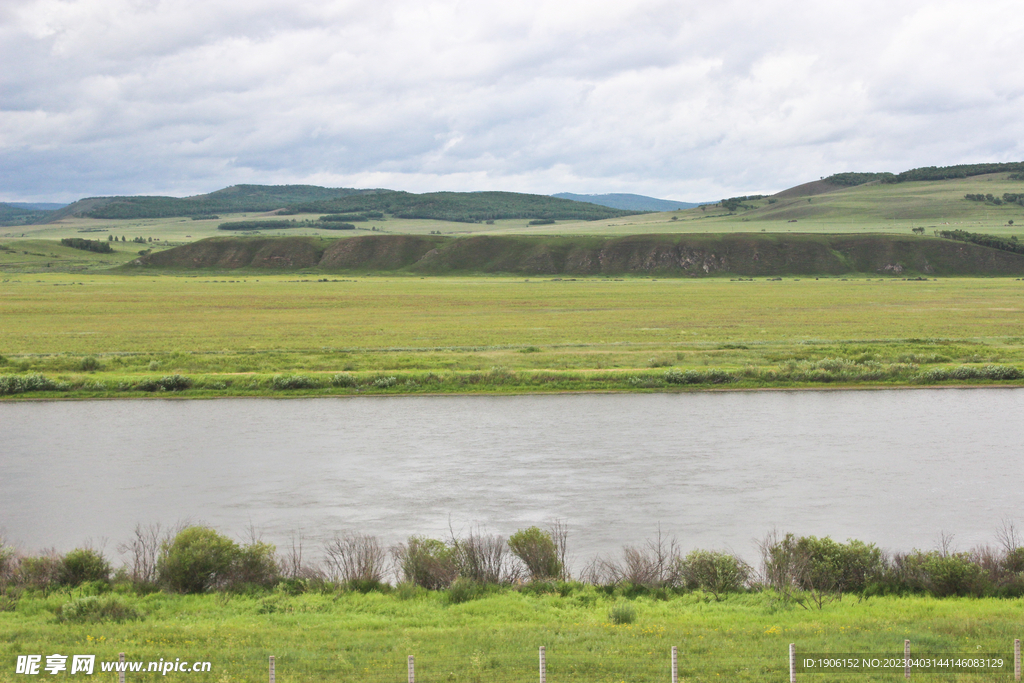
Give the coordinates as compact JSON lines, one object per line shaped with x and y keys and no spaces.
{"x":816,"y":208}
{"x":233,"y":334}
{"x":351,"y":636}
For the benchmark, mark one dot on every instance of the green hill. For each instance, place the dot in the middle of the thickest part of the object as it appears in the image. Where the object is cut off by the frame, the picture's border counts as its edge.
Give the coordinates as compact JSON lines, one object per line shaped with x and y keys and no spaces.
{"x":290,"y":199}
{"x":11,"y":214}
{"x":235,"y":199}
{"x":692,"y":255}
{"x":468,"y":207}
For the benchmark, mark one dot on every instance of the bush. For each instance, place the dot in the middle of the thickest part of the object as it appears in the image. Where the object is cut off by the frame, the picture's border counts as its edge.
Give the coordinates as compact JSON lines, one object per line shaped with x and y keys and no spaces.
{"x":356,"y":558}
{"x":384,"y":382}
{"x":537,"y":550}
{"x":285,"y":382}
{"x":95,"y":609}
{"x":174,"y":382}
{"x":953,"y":574}
{"x":197,"y":560}
{"x":343,"y":380}
{"x":43,"y":572}
{"x":427,"y":562}
{"x":89,"y":364}
{"x":698,"y":377}
{"x":622,"y":613}
{"x":83,"y":564}
{"x":714,"y":572}
{"x":463,"y":590}
{"x":18,"y":384}
{"x":254,"y":565}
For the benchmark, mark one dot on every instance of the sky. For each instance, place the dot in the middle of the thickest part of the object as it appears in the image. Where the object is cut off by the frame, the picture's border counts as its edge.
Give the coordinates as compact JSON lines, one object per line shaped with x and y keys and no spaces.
{"x":680,"y":99}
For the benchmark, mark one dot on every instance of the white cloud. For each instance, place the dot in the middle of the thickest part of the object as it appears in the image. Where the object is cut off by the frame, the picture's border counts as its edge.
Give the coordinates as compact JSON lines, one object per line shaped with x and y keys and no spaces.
{"x":677,"y":99}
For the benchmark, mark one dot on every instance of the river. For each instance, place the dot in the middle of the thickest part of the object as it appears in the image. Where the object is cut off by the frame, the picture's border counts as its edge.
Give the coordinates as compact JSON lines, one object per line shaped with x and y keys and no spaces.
{"x":714,"y":470}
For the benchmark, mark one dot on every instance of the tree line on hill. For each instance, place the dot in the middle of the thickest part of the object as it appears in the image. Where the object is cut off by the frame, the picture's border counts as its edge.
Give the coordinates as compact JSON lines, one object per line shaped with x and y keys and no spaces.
{"x":285,"y":225}
{"x":930,"y":173}
{"x":1001,"y":243}
{"x":1007,"y":198}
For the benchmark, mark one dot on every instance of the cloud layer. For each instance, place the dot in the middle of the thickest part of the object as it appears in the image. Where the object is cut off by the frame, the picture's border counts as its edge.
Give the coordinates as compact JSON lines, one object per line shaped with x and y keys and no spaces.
{"x":677,"y":99}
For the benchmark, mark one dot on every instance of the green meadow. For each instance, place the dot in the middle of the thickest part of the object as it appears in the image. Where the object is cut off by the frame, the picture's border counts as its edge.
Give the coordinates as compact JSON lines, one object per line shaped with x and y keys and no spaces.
{"x":234,"y":334}
{"x":350,"y":636}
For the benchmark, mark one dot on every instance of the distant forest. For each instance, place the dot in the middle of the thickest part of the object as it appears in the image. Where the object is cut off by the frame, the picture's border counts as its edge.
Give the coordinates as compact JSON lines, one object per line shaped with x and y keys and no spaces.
{"x":930,"y":173}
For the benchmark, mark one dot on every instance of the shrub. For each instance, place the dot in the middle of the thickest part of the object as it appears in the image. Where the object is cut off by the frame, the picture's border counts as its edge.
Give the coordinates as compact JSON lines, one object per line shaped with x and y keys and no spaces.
{"x":427,"y":562}
{"x":484,"y":559}
{"x":622,"y":613}
{"x":713,"y":376}
{"x":197,"y":560}
{"x":356,"y":558}
{"x":537,"y":550}
{"x":384,"y":382}
{"x":83,"y":564}
{"x":464,"y":589}
{"x":343,"y":380}
{"x":254,"y":565}
{"x":94,"y":609}
{"x":89,"y":364}
{"x":714,"y":572}
{"x":17,"y":384}
{"x":285,"y":382}
{"x":43,"y":572}
{"x":953,"y":574}
{"x":174,"y":382}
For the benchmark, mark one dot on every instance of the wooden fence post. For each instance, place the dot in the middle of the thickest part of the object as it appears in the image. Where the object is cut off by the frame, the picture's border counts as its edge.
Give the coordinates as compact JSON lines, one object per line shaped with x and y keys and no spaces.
{"x":1016,"y":659}
{"x":906,"y":659}
{"x":273,"y":670}
{"x":675,"y":664}
{"x":543,"y":667}
{"x":412,"y":669}
{"x":792,"y":663}
{"x":120,"y":674}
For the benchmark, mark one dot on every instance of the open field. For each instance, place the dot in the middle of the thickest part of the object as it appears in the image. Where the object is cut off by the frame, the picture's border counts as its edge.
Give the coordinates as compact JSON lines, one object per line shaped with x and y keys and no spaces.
{"x":349,"y":636}
{"x":501,"y":334}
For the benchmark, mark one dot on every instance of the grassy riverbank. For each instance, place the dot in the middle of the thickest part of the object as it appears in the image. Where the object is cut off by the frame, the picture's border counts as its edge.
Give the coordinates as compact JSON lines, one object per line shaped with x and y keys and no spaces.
{"x":351,"y":636}
{"x":116,"y":335}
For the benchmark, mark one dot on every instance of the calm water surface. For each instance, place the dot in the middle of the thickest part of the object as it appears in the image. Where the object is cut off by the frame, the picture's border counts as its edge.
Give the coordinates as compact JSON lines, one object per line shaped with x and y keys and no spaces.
{"x":715,"y":470}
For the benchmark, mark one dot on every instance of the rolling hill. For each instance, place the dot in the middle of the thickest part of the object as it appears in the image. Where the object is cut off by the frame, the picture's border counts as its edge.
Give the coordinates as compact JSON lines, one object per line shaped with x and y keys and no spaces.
{"x":628,"y":202}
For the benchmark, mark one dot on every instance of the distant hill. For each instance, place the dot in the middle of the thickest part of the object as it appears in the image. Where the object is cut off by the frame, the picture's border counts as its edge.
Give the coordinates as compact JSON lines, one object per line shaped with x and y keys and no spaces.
{"x":629,"y":202}
{"x":234,"y":199}
{"x":690,"y":255}
{"x":17,"y":213}
{"x":290,"y":199}
{"x":467,"y":207}
{"x":37,"y":206}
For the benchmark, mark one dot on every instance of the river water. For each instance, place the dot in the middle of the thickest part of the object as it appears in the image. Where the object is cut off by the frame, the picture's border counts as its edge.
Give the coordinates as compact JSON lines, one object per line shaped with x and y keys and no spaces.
{"x":714,"y":470}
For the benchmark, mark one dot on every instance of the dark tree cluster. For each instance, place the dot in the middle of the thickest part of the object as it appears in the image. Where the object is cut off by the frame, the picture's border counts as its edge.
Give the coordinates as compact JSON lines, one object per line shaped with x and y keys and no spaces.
{"x":87,"y":245}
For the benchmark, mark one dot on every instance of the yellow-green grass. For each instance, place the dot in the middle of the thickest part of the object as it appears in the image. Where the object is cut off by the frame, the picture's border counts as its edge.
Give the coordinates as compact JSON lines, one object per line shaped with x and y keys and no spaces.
{"x":150,"y":326}
{"x":355,"y":637}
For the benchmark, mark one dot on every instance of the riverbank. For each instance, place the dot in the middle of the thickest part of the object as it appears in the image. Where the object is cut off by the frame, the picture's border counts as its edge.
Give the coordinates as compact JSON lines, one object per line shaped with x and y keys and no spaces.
{"x":355,"y":636}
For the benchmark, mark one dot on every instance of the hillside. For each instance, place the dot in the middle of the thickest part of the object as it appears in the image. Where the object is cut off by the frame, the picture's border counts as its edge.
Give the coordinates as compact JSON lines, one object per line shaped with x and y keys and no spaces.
{"x":468,"y":207}
{"x":235,"y":199}
{"x":291,"y":199}
{"x":693,"y":255}
{"x":629,"y":202}
{"x":15,"y":214}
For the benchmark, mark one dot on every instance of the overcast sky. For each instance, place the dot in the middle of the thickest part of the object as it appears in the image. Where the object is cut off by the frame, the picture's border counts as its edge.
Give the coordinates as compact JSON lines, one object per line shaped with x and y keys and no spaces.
{"x":677,"y":99}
